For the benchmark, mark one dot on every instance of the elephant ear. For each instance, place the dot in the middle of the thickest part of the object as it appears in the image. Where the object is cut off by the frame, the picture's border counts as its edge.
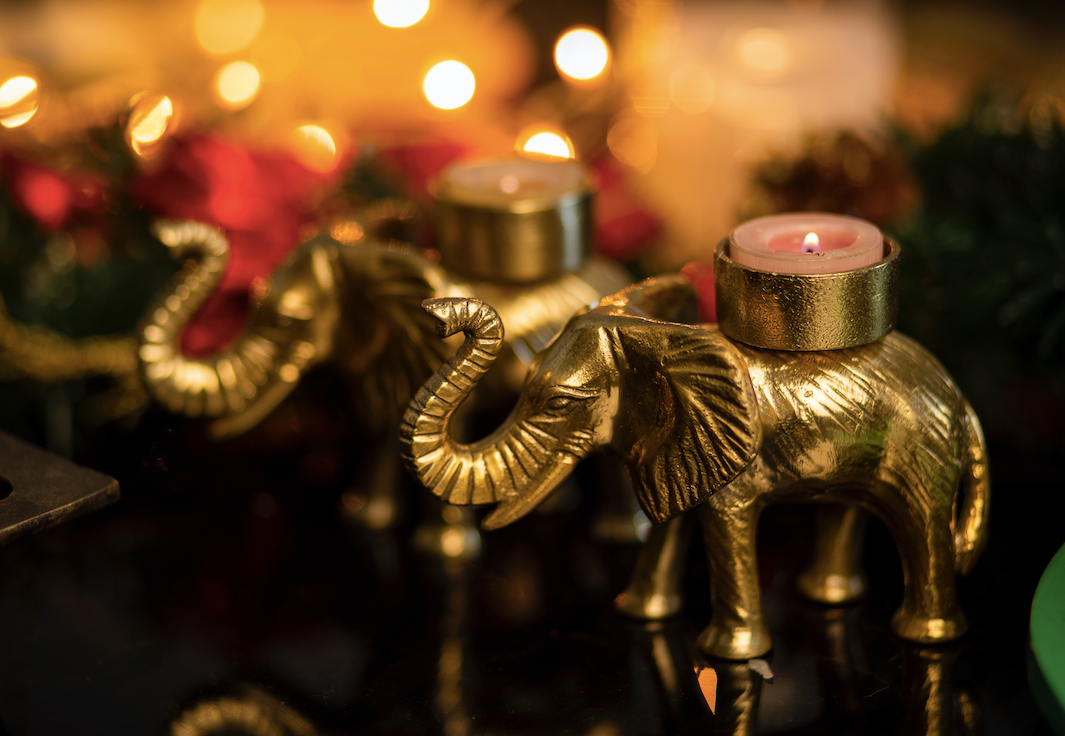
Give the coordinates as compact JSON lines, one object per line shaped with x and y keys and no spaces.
{"x":705,"y":430}
{"x":392,"y":345}
{"x":669,"y":298}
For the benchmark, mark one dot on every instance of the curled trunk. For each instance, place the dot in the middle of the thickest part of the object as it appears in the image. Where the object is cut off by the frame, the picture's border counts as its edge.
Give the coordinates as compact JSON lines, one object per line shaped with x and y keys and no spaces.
{"x":220,"y":384}
{"x":517,"y":467}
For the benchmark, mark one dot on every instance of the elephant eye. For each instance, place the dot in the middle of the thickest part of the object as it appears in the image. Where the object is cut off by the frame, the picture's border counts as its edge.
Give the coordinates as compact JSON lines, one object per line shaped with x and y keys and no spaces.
{"x":558,"y":403}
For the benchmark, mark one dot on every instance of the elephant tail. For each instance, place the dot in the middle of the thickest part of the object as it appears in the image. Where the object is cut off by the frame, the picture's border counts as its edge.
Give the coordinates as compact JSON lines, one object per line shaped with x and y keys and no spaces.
{"x":970,"y":525}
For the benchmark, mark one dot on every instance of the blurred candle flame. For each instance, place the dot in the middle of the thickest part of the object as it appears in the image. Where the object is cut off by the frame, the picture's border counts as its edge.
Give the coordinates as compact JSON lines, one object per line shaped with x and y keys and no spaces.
{"x":449,"y":85}
{"x":237,"y":84}
{"x":315,"y":148}
{"x":225,"y":26}
{"x":811,"y":243}
{"x":582,"y":54}
{"x":18,"y":101}
{"x":148,"y":123}
{"x":400,"y":13}
{"x":547,"y":145}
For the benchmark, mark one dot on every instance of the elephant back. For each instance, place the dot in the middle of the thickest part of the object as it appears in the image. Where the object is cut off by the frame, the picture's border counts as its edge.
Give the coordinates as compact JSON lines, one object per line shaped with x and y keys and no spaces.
{"x":890,"y":397}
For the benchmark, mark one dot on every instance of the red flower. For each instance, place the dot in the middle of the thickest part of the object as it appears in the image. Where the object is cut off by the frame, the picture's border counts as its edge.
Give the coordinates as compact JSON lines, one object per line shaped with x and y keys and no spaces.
{"x":261,"y":199}
{"x":623,"y":227}
{"x":702,"y":277}
{"x":49,"y":197}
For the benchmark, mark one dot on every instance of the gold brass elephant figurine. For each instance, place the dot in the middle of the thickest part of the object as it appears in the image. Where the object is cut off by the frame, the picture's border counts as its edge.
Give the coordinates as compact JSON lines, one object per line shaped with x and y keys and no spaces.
{"x":356,"y":306}
{"x":713,"y":426}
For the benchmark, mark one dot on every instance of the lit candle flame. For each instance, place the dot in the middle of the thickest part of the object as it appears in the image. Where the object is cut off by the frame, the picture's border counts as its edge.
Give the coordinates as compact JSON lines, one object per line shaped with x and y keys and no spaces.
{"x":548,"y":145}
{"x":811,"y":243}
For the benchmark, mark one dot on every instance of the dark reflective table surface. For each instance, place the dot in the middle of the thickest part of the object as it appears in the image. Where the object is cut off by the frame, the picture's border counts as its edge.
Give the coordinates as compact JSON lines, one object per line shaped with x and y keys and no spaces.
{"x":225,"y":594}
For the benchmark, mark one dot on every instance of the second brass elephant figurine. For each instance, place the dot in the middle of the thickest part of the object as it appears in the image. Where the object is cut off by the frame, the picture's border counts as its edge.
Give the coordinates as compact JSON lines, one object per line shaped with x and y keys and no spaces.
{"x":721,"y":429}
{"x":356,"y":306}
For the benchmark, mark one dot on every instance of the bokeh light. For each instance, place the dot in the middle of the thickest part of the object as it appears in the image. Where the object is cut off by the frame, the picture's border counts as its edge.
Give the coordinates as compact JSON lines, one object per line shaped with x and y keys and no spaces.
{"x":277,"y":55}
{"x":237,"y":84}
{"x":225,"y":26}
{"x":149,"y":122}
{"x":400,"y":13}
{"x":545,"y":145}
{"x":582,"y":54}
{"x":18,"y":101}
{"x":764,"y":50}
{"x":634,"y":142}
{"x":449,"y":85}
{"x":315,"y":147}
{"x":691,"y":88}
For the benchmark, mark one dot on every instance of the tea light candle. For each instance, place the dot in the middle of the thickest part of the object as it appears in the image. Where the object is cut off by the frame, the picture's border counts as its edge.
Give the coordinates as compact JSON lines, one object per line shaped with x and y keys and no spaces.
{"x":806,"y":243}
{"x":512,"y":184}
{"x":806,"y":281}
{"x":514,"y":220}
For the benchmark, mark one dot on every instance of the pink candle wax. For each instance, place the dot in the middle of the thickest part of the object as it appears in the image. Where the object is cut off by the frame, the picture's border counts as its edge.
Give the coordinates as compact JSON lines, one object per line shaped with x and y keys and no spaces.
{"x":806,"y":243}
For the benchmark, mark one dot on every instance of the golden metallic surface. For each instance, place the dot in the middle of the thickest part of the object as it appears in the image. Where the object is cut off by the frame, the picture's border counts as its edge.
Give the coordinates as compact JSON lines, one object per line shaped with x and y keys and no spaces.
{"x":47,"y":356}
{"x":835,"y":576}
{"x":711,"y":425}
{"x":828,"y":311}
{"x":250,"y":711}
{"x":356,"y":306}
{"x":516,"y":241}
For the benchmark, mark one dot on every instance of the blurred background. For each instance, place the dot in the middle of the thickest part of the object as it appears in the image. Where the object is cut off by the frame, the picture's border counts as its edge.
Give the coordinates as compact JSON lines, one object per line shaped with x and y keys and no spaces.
{"x":942,"y":123}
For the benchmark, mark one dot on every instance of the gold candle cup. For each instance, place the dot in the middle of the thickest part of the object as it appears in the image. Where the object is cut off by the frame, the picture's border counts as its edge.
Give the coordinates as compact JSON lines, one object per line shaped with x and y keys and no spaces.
{"x":514,"y":221}
{"x":827,"y":311}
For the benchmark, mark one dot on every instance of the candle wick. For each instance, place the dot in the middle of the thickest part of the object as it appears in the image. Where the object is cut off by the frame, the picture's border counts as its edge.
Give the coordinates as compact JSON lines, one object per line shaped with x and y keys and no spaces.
{"x":811,"y":244}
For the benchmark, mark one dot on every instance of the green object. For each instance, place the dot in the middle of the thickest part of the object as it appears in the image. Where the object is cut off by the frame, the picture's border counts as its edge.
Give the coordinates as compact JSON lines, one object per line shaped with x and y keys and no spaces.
{"x":1046,"y":670}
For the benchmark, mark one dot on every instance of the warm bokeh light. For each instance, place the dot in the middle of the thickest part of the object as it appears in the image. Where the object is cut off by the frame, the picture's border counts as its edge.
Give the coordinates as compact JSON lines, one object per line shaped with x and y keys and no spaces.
{"x":764,"y":50}
{"x":634,"y":142}
{"x":691,"y":88}
{"x":225,"y":26}
{"x":277,"y":55}
{"x":237,"y":84}
{"x":18,"y":101}
{"x":582,"y":53}
{"x":545,"y":144}
{"x":315,"y":147}
{"x":400,"y":13}
{"x":449,"y":85}
{"x":148,"y":123}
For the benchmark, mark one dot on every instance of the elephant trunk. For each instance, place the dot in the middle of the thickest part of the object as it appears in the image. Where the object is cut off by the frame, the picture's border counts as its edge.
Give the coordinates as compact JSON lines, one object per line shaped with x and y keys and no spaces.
{"x":516,"y":466}
{"x":189,"y":385}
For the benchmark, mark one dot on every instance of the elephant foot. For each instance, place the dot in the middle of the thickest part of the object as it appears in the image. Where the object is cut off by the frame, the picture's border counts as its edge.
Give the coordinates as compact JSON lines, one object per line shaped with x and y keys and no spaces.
{"x":925,"y":629}
{"x":734,"y":642}
{"x":831,"y":590}
{"x":376,"y":512}
{"x":648,"y":606}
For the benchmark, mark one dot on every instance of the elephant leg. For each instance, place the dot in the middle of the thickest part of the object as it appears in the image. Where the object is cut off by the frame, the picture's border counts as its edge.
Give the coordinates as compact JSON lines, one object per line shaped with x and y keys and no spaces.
{"x":654,"y":591}
{"x":930,"y":612}
{"x":736,"y":629}
{"x":835,"y":574}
